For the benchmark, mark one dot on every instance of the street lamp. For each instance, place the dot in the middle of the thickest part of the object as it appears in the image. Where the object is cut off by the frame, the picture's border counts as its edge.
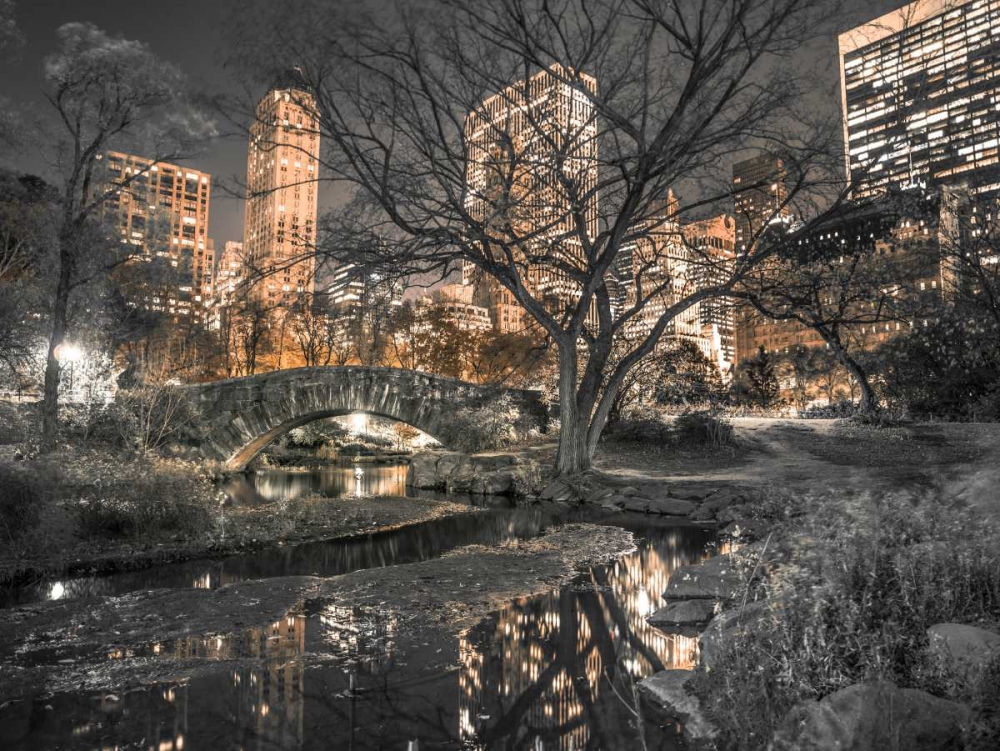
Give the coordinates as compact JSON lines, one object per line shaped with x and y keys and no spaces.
{"x":67,"y":354}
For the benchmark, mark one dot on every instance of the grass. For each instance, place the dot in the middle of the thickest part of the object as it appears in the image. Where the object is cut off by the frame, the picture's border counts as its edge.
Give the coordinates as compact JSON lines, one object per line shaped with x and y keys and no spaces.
{"x":861,"y":581}
{"x":858,"y":444}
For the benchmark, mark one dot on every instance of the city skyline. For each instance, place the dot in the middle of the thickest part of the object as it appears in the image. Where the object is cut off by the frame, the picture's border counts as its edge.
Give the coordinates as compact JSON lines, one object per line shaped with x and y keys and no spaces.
{"x":202,"y":62}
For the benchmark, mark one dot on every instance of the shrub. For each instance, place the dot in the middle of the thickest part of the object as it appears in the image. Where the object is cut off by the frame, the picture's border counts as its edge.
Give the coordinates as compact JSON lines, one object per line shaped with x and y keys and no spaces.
{"x":863,"y":581}
{"x":639,"y":431}
{"x":21,"y":497}
{"x":838,"y":410}
{"x":703,"y":429}
{"x":147,"y":505}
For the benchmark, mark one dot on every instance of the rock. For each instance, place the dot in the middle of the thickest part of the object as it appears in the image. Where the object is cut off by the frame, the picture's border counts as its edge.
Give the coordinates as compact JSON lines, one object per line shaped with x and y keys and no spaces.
{"x":636,"y":504}
{"x":670,"y":506}
{"x":872,"y":717}
{"x":598,"y":496}
{"x":499,"y":482}
{"x":557,"y":490}
{"x":668,"y":689}
{"x":733,"y":513}
{"x":717,"y":578}
{"x":449,"y":463}
{"x":618,"y":500}
{"x":702,"y":514}
{"x":721,"y":499}
{"x":627,"y":491}
{"x":684,"y":613}
{"x":423,"y":470}
{"x":732,"y":624}
{"x":963,"y":651}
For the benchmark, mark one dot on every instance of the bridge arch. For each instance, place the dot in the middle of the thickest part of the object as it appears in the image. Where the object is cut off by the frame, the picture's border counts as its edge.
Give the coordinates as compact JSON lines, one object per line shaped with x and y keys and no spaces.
{"x":239,"y":417}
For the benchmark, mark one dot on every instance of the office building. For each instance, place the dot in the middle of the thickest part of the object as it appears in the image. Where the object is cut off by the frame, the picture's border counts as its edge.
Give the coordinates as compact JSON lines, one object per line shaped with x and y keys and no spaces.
{"x":281,"y":208}
{"x":712,"y":243}
{"x":455,"y":301}
{"x":760,"y":196}
{"x":920,"y":87}
{"x":523,"y":143}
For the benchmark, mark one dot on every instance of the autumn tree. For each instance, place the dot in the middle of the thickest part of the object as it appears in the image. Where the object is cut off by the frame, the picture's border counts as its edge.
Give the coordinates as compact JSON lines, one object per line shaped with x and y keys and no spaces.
{"x":535,"y":142}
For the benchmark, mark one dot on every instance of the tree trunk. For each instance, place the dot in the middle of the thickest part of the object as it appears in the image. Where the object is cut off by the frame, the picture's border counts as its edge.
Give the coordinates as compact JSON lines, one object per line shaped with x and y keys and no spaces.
{"x":50,"y":399}
{"x":868,"y":402}
{"x":573,"y":456}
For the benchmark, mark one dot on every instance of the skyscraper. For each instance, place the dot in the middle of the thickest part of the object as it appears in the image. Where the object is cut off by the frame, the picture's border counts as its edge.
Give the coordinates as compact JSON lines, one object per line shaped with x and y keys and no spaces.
{"x":919,"y":92}
{"x":760,"y":193}
{"x":523,"y":142}
{"x":162,"y":209}
{"x":282,"y":167}
{"x":713,"y":242}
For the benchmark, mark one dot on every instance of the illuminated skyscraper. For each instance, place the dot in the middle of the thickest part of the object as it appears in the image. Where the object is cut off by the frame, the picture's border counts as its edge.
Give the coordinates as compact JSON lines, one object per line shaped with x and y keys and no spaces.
{"x":162,"y":209}
{"x":714,"y":244}
{"x":523,"y":142}
{"x":920,"y":88}
{"x":760,"y":194}
{"x":282,"y":167}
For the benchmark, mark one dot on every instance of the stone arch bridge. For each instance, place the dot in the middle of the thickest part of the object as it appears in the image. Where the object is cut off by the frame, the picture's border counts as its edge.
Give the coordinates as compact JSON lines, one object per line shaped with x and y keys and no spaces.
{"x":238,"y":417}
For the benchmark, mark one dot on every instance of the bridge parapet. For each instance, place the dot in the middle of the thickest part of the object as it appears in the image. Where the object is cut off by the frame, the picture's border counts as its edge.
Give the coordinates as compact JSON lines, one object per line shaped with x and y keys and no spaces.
{"x":239,"y":417}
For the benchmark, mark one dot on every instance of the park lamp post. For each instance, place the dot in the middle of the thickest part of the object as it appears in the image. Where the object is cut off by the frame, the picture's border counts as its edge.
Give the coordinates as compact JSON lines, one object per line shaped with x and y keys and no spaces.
{"x":68,"y":354}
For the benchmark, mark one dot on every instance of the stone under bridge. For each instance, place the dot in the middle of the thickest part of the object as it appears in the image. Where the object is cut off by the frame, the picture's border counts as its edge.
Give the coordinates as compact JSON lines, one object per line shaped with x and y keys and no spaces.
{"x":238,"y":417}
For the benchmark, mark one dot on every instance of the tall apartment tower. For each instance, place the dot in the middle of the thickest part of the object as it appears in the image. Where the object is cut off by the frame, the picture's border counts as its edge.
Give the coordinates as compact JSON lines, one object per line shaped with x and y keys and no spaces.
{"x":533,"y":129}
{"x":919,"y":91}
{"x":163,"y":209}
{"x":282,"y":167}
{"x":713,"y":242}
{"x":760,"y":192}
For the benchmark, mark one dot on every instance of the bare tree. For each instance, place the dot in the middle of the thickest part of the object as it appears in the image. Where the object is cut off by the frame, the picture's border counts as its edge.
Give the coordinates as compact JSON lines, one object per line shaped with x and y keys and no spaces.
{"x":104,"y":92}
{"x":535,"y":142}
{"x":851,"y":274}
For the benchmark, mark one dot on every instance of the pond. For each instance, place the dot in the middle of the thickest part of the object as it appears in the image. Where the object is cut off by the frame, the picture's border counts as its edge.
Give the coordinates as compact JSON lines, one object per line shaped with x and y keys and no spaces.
{"x":556,"y":671}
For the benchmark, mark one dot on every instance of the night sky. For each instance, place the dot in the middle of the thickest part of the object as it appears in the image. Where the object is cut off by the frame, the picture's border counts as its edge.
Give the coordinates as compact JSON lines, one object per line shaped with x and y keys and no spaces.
{"x":187,"y":33}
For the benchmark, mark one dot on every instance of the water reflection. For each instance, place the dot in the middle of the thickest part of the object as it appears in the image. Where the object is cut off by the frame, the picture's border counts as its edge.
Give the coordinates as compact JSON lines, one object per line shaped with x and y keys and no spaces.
{"x":330,"y":482}
{"x":560,"y":670}
{"x":556,"y":671}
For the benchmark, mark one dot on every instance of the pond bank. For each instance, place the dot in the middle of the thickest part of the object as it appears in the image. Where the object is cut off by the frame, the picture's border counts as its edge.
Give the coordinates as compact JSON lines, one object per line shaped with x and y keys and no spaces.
{"x":106,"y":643}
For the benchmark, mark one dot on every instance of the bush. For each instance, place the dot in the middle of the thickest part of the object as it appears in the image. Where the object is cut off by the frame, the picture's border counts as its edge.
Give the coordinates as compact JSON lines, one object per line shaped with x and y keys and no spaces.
{"x":863,"y":581}
{"x":838,"y":410}
{"x":493,"y":426}
{"x":639,"y":431}
{"x":703,"y":429}
{"x":146,"y":505}
{"x":21,"y":497}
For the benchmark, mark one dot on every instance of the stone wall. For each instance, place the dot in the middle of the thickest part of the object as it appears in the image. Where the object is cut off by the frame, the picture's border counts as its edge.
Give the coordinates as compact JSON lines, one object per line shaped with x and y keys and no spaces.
{"x":238,"y":417}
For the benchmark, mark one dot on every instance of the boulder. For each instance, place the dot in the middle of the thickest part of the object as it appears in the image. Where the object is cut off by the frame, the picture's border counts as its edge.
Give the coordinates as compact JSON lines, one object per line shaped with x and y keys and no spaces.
{"x":718,"y":578}
{"x":872,"y":717}
{"x":702,"y":514}
{"x":636,"y":504}
{"x":449,"y":463}
{"x":684,"y":613}
{"x":598,"y":496}
{"x":669,"y":690}
{"x":723,"y":498}
{"x":557,"y":490}
{"x":670,"y":506}
{"x":423,"y":470}
{"x":963,"y":651}
{"x":732,"y":624}
{"x":497,"y":482}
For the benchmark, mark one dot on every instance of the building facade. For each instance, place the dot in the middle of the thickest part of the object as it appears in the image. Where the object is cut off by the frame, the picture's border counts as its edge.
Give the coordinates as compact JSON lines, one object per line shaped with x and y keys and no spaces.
{"x":281,"y":207}
{"x":523,"y":142}
{"x":919,"y":91}
{"x":162,"y":211}
{"x":713,"y":243}
{"x":455,"y":301}
{"x":760,"y":196}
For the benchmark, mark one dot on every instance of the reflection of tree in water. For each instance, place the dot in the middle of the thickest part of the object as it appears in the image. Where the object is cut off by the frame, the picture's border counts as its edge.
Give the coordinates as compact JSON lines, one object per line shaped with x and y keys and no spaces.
{"x":560,"y":669}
